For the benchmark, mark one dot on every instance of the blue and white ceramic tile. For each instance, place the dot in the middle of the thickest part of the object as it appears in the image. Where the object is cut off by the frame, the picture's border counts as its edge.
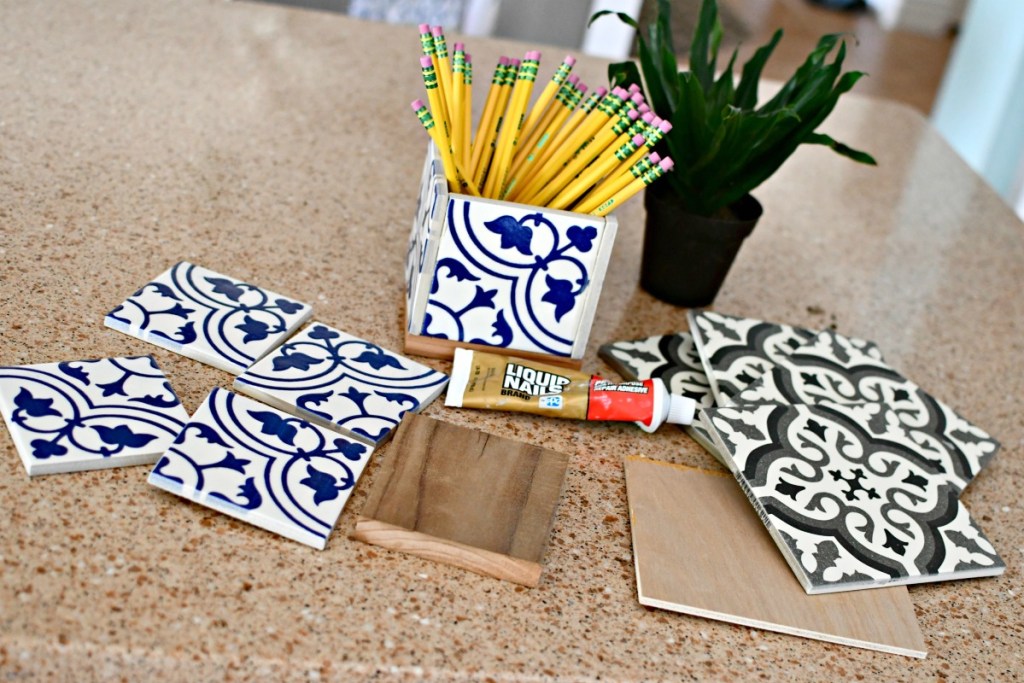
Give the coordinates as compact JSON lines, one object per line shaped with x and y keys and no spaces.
{"x":262,"y":466}
{"x":217,"y":320}
{"x":90,"y":414}
{"x":847,"y":508}
{"x":342,"y":382}
{"x":510,"y":276}
{"x":425,"y":227}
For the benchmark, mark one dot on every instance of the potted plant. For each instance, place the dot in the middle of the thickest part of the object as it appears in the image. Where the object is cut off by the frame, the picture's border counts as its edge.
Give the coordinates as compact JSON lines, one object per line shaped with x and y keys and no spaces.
{"x":723,"y":143}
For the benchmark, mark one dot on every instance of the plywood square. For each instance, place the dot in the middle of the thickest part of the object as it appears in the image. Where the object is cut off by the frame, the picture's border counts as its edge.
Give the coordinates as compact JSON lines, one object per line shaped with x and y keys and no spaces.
{"x":700,"y":549}
{"x":466,"y":498}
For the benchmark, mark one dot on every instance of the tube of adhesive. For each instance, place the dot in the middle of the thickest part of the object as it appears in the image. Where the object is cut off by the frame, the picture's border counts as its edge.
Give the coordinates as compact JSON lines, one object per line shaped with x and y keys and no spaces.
{"x":493,"y":382}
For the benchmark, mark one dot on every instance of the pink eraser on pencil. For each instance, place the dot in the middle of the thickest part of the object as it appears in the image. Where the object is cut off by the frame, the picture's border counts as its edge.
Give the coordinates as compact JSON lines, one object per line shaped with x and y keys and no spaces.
{"x":536,"y":55}
{"x":643,"y":108}
{"x":664,"y":126}
{"x":632,"y":114}
{"x":569,"y":60}
{"x":504,"y":61}
{"x":620,"y":92}
{"x":639,"y":139}
{"x":437,"y":31}
{"x":574,"y":79}
{"x":469,"y":58}
{"x":426,"y":61}
{"x":634,"y":88}
{"x":516,"y":63}
{"x":648,"y":117}
{"x":417,"y":105}
{"x":654,"y":157}
{"x":459,"y":46}
{"x":582,"y":87}
{"x":666,"y":163}
{"x":637,"y":99}
{"x":601,"y":92}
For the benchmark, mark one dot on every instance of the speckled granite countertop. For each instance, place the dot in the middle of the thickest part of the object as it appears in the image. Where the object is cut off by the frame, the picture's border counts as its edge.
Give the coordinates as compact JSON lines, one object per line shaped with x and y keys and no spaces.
{"x":276,"y":145}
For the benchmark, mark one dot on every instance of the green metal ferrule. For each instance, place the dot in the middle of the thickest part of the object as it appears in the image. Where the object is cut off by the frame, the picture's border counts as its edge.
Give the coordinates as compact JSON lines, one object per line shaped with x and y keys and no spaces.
{"x":427,"y":41}
{"x":429,"y":77}
{"x":441,"y":47}
{"x":590,"y":103}
{"x":622,"y":153}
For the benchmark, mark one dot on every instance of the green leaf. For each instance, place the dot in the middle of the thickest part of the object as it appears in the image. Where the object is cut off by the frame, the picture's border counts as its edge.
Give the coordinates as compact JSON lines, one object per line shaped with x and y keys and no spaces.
{"x":703,"y":37}
{"x":746,"y":92}
{"x":623,"y":17}
{"x":840,"y":148}
{"x":624,"y":74}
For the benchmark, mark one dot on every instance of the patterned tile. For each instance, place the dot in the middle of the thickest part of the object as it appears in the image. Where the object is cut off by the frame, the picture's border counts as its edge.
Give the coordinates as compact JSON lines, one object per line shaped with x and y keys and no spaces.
{"x":673,"y":359}
{"x":849,"y":510}
{"x":262,"y":466}
{"x":832,"y":368}
{"x":90,"y":414}
{"x":342,"y":382}
{"x":736,"y":351}
{"x":510,"y":276}
{"x":208,"y":317}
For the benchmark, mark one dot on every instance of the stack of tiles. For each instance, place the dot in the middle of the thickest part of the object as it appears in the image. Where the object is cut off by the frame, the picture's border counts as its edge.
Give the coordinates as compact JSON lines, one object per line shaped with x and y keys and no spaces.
{"x":288,"y":472}
{"x":854,"y":469}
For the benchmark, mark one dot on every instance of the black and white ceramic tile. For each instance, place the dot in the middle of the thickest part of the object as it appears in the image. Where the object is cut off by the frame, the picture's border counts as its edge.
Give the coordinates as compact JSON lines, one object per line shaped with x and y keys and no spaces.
{"x":736,"y":351}
{"x":262,"y":466}
{"x":673,"y":359}
{"x":90,"y":414}
{"x":832,"y":368}
{"x":847,"y":509}
{"x":208,"y":317}
{"x":342,"y":382}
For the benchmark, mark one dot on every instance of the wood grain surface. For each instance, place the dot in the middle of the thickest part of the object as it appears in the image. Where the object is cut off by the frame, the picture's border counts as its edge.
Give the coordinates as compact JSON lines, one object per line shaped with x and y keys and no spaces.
{"x":700,"y":549}
{"x":464,"y":497}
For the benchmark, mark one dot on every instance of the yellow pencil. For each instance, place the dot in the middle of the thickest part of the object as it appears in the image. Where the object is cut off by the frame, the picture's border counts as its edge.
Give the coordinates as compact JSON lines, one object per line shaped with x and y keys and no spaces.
{"x":491,"y":142}
{"x":513,"y":121}
{"x":553,"y":86}
{"x":423,"y":114}
{"x":565,"y":101}
{"x":663,"y":167}
{"x":443,"y":69}
{"x":467,"y":114}
{"x":606,"y":109}
{"x":485,"y":125}
{"x":554,"y":144}
{"x":610,"y":185}
{"x":458,"y":98}
{"x":613,"y":134}
{"x":594,"y":173}
{"x":654,"y":132}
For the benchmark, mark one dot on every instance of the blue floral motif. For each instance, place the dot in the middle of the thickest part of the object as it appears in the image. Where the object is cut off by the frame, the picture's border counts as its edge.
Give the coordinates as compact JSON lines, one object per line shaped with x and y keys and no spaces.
{"x":514,"y":234}
{"x":356,"y":387}
{"x":295,"y":486}
{"x":535,"y":275}
{"x":207,"y":316}
{"x":86,"y":414}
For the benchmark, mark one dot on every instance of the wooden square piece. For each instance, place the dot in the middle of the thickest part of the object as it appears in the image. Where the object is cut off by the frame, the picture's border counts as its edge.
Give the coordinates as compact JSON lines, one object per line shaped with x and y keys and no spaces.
{"x":700,"y":549}
{"x":466,"y":498}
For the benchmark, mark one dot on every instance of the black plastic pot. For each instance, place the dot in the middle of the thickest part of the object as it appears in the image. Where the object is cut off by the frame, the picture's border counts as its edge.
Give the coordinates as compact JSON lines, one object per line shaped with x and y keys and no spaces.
{"x":687,"y":257}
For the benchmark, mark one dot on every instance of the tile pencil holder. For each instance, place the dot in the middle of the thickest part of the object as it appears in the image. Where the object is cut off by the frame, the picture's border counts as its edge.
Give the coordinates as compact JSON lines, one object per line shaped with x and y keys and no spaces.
{"x":500,"y":275}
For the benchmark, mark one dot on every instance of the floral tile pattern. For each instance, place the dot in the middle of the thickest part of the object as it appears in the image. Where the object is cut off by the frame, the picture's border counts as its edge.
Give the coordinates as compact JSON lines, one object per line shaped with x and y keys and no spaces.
{"x":507,"y":275}
{"x":208,"y":317}
{"x":90,"y":414}
{"x":849,"y":510}
{"x":736,"y":351}
{"x":342,"y":382}
{"x":262,"y":466}
{"x":833,"y":368}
